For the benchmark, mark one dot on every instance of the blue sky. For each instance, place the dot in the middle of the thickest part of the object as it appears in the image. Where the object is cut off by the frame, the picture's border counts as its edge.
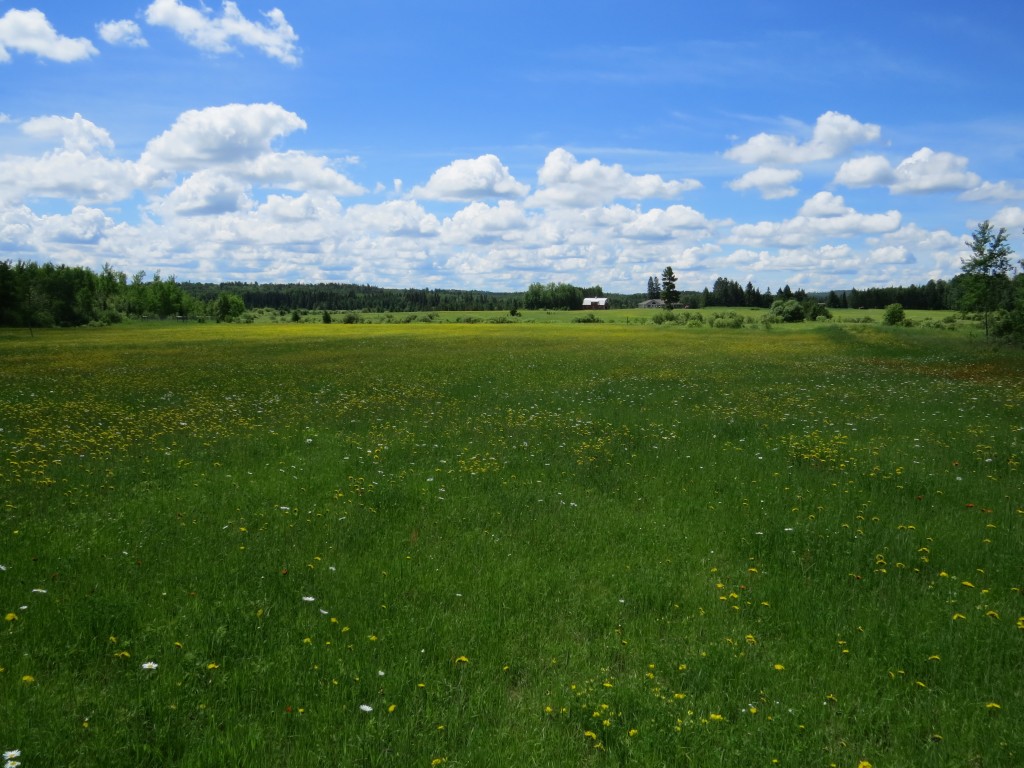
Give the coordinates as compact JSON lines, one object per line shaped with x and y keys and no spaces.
{"x":453,"y":144}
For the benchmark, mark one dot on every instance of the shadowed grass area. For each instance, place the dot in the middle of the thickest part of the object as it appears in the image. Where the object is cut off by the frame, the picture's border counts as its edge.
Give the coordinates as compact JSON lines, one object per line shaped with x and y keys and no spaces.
{"x":531,"y":544}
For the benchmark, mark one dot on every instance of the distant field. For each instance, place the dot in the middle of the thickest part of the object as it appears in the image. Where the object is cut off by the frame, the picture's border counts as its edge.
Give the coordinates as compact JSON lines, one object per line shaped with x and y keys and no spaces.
{"x":529,"y":544}
{"x":951,"y":320}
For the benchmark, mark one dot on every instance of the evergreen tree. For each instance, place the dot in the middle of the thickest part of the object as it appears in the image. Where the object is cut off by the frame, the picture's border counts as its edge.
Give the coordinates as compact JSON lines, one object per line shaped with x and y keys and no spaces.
{"x":668,"y":287}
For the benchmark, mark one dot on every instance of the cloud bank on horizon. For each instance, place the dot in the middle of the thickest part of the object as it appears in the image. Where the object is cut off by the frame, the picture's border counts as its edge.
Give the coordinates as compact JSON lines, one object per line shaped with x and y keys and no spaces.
{"x":233,"y":172}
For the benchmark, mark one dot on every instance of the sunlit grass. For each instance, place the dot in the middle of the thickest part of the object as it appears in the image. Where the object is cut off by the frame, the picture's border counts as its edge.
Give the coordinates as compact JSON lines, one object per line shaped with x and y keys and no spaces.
{"x":531,"y":544}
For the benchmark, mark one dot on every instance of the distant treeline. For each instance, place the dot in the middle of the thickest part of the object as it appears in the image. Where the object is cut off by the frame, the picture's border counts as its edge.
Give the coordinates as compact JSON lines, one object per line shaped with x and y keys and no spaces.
{"x":37,"y":295}
{"x":356,"y":298}
{"x":935,"y":294}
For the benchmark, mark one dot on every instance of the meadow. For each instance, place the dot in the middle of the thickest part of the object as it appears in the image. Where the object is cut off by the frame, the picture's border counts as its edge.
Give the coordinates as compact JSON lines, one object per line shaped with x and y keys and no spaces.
{"x":529,"y":544}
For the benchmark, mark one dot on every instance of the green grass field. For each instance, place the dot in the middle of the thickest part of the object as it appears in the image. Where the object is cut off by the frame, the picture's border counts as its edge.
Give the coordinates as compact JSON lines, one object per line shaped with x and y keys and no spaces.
{"x":530,"y":544}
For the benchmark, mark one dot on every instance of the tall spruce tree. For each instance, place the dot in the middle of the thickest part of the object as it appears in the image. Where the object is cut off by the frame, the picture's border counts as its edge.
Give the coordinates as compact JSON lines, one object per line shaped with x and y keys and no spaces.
{"x":668,"y":287}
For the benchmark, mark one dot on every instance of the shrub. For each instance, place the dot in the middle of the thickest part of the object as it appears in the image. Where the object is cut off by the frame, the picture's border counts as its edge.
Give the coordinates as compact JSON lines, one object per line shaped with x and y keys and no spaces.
{"x":786,"y":311}
{"x":815,"y":310}
{"x":327,"y":317}
{"x":726,"y":320}
{"x":894,"y":315}
{"x":590,"y":317}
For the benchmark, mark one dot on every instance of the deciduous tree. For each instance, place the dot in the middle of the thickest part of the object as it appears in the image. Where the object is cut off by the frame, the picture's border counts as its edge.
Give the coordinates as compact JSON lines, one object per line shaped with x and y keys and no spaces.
{"x":986,"y":271}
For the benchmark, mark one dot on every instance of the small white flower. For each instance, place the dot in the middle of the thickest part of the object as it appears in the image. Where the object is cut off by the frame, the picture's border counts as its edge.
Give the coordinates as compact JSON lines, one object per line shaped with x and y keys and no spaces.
{"x":149,"y":665}
{"x":308,"y":598}
{"x":11,"y":754}
{"x":366,"y":708}
{"x":380,"y":673}
{"x":39,"y":591}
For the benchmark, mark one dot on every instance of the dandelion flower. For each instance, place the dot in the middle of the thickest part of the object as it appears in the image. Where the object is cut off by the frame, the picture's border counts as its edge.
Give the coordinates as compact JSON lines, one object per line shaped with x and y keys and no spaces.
{"x":778,"y":667}
{"x":27,"y":679}
{"x":11,"y":617}
{"x":993,"y":705}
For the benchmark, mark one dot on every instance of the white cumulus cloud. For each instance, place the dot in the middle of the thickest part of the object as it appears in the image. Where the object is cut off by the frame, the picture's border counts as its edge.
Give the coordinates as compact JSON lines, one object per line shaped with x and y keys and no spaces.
{"x":483,"y":176}
{"x":929,"y":171}
{"x":924,"y":171}
{"x":393,"y":218}
{"x":205,"y":193}
{"x":803,"y":230}
{"x":298,"y":171}
{"x":122,"y":32}
{"x":70,"y":174}
{"x":482,"y":223}
{"x":82,"y":226}
{"x":1000,"y":190}
{"x":834,"y":134}
{"x":1010,"y":217}
{"x":772,"y":183}
{"x":219,"y":34}
{"x":825,"y":204}
{"x":219,"y":135}
{"x":565,"y":181}
{"x":868,"y":171}
{"x":31,"y":32}
{"x":76,"y":133}
{"x":664,"y":223}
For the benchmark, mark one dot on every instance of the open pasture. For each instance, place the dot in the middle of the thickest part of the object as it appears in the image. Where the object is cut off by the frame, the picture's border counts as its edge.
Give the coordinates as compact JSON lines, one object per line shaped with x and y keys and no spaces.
{"x":496,"y":545}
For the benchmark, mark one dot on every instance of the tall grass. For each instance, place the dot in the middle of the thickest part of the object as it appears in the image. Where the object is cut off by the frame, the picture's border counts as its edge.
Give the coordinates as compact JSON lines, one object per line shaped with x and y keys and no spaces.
{"x":394,"y":545}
